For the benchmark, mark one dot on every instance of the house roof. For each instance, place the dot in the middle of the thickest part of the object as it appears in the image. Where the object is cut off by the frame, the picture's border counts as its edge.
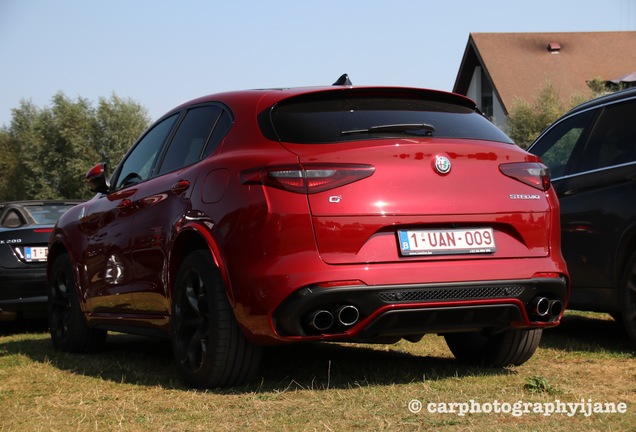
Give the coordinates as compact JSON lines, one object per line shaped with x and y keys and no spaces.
{"x":520,"y":64}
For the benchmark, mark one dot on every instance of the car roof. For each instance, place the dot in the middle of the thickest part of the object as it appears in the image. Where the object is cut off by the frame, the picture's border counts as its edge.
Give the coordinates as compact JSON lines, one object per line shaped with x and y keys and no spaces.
{"x":263,"y":98}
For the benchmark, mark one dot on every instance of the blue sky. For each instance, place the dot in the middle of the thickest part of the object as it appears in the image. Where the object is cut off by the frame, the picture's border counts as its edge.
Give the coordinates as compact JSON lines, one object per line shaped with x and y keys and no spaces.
{"x":161,"y":53}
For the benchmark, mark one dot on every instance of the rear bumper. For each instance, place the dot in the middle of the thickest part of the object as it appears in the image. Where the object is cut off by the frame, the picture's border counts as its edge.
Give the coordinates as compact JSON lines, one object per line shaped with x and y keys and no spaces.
{"x":23,"y":290}
{"x":393,"y":311}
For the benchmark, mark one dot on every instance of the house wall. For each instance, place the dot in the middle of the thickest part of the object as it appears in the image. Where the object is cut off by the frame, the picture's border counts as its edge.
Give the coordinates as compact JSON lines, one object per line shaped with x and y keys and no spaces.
{"x":499,"y":117}
{"x":475,"y":92}
{"x":474,"y":89}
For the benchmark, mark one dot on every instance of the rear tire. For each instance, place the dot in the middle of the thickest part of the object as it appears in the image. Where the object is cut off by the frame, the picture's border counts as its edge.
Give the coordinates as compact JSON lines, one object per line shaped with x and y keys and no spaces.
{"x":208,"y":345}
{"x":67,"y":325}
{"x":627,"y":298}
{"x":509,"y":348}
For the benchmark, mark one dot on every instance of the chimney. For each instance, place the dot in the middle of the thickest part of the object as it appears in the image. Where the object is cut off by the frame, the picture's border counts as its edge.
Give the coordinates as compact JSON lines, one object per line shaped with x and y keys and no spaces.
{"x":554,"y":47}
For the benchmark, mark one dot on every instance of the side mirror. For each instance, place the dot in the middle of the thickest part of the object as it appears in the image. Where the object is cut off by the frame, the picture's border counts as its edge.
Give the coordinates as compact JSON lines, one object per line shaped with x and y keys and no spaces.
{"x":96,"y":179}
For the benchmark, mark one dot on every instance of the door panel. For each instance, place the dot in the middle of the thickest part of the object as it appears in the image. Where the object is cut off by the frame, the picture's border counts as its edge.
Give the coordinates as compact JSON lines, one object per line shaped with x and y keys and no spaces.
{"x":592,"y":232}
{"x":161,"y":204}
{"x":106,"y":225}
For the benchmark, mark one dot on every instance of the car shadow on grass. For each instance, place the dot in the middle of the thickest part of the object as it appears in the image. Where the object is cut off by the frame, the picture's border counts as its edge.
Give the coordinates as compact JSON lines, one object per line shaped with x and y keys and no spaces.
{"x":313,"y":366}
{"x":23,"y":326}
{"x":317,"y":366}
{"x":322,"y":366}
{"x":589,"y":332}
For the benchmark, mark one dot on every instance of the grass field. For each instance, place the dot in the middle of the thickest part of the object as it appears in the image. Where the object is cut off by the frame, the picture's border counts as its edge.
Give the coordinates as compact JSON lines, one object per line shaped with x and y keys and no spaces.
{"x":134,"y":386}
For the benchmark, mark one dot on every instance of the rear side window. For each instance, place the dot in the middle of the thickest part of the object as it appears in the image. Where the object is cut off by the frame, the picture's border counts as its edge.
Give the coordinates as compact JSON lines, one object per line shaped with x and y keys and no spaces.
{"x":189,"y":141}
{"x":613,"y":141}
{"x":591,"y":140}
{"x":221,"y":128}
{"x":328,"y":118}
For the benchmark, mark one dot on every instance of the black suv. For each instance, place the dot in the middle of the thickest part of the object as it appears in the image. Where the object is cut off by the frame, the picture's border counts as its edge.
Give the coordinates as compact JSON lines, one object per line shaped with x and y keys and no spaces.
{"x":591,"y":152}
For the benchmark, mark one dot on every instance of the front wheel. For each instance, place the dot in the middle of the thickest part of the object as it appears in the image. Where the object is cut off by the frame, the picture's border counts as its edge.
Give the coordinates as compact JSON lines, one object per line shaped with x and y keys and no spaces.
{"x":67,"y":325}
{"x":509,"y":348}
{"x":209,"y":347}
{"x":627,"y":298}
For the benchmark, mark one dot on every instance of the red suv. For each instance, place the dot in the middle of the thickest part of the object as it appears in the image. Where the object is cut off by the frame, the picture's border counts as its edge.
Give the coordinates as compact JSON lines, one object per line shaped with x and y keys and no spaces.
{"x":342,"y":213}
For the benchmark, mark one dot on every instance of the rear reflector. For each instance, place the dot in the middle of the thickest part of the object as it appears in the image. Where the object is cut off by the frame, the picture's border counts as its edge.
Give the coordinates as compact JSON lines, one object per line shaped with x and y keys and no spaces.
{"x":307,"y":179}
{"x":533,"y":174}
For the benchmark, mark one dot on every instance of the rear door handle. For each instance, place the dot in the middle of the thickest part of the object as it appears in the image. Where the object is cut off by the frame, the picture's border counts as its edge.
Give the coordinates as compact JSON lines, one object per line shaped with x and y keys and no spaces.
{"x":180,"y":187}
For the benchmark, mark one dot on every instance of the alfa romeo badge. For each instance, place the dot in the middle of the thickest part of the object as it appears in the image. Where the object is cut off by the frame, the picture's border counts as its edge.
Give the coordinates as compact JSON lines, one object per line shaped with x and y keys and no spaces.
{"x":442,"y":164}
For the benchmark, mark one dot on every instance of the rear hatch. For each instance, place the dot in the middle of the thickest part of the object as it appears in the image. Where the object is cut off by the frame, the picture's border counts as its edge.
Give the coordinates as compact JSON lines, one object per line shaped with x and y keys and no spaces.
{"x":25,"y":246}
{"x":422,"y":175}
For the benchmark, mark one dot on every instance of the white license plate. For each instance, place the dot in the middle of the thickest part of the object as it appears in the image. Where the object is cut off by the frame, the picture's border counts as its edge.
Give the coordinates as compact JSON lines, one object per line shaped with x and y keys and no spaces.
{"x":447,"y":241}
{"x":35,"y":253}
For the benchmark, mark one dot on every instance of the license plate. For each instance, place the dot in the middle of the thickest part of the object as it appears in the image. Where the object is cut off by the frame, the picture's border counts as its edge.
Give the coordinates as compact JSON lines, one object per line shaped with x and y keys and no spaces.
{"x":35,"y":253}
{"x":447,"y":241}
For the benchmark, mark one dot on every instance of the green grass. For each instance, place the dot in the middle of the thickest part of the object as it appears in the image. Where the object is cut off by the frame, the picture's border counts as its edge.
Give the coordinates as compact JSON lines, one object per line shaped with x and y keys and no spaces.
{"x":134,"y":386}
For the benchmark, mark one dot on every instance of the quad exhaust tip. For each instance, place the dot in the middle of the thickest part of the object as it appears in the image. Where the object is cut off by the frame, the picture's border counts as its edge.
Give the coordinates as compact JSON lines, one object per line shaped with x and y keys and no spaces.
{"x":540,"y":306}
{"x":347,"y":315}
{"x":323,"y":319}
{"x":543,"y":307}
{"x":556,"y":308}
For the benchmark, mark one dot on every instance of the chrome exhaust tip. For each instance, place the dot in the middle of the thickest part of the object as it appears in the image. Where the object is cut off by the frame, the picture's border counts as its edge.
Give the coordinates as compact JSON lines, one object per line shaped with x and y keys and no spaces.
{"x":540,"y":306}
{"x":347,"y":315}
{"x":321,"y":320}
{"x":556,"y":308}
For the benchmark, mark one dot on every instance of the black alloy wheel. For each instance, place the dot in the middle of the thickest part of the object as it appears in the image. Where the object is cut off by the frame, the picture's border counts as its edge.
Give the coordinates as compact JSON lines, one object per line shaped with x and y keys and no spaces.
{"x":208,"y":345}
{"x":67,"y":325}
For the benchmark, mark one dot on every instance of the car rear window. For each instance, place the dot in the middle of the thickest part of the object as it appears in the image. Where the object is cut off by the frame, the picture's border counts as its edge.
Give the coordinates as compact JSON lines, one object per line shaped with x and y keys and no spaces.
{"x":338,"y":116}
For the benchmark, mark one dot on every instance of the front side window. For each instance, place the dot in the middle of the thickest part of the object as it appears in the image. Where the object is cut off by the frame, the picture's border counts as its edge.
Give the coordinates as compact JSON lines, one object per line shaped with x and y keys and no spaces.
{"x":138,"y":164}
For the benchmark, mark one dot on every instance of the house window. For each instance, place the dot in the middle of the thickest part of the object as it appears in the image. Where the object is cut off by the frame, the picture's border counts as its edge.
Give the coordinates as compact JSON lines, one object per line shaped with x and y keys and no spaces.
{"x":486,"y":96}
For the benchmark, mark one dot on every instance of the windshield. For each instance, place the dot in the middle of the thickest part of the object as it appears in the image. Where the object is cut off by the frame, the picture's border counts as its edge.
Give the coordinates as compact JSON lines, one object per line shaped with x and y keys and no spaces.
{"x":47,"y":214}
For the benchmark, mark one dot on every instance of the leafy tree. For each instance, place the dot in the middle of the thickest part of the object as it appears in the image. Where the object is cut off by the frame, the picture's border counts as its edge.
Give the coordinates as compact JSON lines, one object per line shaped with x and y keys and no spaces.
{"x":527,"y":120}
{"x":522,"y":123}
{"x":8,"y":166}
{"x":50,"y":149}
{"x":601,"y":87}
{"x":118,"y":123}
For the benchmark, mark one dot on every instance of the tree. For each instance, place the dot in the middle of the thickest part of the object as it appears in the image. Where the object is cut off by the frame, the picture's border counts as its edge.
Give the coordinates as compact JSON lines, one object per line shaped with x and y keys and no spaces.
{"x":50,"y":149}
{"x":8,"y":167}
{"x":527,"y":120}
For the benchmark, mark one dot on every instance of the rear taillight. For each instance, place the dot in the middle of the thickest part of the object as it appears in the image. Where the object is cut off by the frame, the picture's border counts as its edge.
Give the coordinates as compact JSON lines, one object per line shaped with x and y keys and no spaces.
{"x":307,"y":179}
{"x":533,"y":174}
